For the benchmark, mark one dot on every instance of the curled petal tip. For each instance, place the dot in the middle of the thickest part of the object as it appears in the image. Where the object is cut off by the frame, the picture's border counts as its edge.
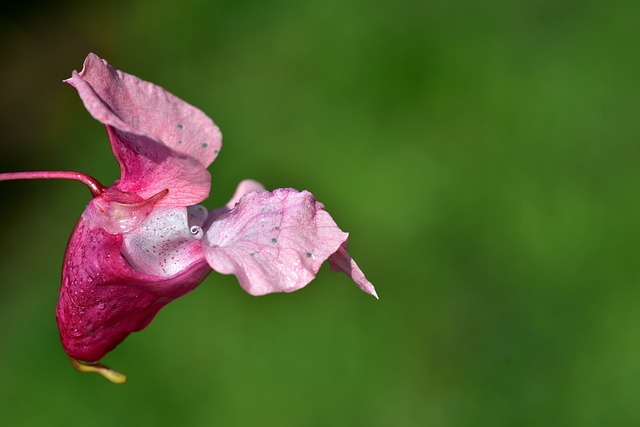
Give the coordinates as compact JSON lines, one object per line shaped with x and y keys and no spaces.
{"x":364,"y":284}
{"x":113,"y":376}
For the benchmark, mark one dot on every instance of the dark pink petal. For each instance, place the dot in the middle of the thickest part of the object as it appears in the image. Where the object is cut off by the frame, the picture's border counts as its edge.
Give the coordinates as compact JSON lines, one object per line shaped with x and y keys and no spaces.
{"x":160,"y":141}
{"x":103,"y":299}
{"x":273,"y":242}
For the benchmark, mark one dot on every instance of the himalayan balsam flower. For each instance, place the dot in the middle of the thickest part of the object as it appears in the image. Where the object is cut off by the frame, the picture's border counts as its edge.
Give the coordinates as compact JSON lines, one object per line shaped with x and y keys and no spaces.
{"x":145,"y":241}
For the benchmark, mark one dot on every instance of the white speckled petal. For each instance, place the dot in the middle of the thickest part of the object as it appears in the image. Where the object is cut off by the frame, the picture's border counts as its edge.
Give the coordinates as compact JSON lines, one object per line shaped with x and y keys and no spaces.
{"x":164,"y":244}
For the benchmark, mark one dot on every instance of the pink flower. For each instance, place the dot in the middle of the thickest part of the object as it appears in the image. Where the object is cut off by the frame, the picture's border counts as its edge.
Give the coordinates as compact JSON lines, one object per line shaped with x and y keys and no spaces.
{"x":145,"y":241}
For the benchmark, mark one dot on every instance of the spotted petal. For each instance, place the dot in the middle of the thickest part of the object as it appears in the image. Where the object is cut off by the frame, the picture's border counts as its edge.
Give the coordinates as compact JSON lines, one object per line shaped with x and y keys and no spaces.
{"x":164,"y":244}
{"x":160,"y":141}
{"x":273,"y":241}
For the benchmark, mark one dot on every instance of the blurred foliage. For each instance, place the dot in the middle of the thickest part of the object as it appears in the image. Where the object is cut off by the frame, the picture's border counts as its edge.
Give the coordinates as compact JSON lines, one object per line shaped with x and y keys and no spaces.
{"x":482,"y":155}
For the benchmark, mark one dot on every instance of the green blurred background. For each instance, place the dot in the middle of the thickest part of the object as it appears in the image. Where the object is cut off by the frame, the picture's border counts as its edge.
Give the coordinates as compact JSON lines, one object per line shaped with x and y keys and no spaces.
{"x":482,"y":154}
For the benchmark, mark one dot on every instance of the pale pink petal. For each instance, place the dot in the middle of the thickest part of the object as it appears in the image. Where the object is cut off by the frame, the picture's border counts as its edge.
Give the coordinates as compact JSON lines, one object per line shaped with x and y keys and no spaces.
{"x":273,"y":242}
{"x":160,"y":141}
{"x":245,"y":187}
{"x":342,"y":261}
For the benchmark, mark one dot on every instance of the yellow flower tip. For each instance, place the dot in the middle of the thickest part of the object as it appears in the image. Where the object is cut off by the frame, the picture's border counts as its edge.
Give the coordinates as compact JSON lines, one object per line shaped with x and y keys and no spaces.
{"x":113,"y":376}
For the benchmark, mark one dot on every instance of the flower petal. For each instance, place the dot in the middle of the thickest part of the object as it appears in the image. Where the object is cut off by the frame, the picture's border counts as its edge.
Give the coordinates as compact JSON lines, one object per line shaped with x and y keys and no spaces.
{"x":103,"y":299}
{"x":342,"y":261}
{"x":245,"y":187}
{"x":273,"y":242}
{"x":119,"y":212}
{"x":160,"y":141}
{"x":164,"y":244}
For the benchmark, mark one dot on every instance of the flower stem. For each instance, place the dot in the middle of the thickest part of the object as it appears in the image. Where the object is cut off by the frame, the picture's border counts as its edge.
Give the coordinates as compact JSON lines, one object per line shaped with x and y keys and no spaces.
{"x":93,"y":184}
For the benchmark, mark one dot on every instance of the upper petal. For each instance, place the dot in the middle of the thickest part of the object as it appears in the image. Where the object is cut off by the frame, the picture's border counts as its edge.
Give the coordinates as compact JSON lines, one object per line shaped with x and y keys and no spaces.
{"x":160,"y":141}
{"x":272,"y":241}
